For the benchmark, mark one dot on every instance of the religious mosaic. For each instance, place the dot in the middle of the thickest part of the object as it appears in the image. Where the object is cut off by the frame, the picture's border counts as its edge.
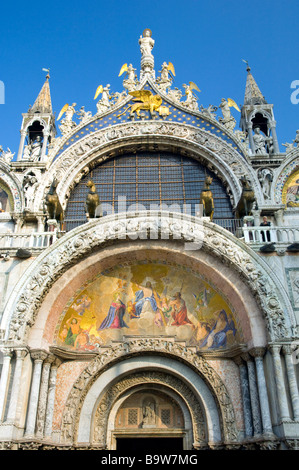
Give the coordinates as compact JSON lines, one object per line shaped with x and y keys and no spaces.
{"x":145,"y":300}
{"x":290,"y":193}
{"x":5,"y":199}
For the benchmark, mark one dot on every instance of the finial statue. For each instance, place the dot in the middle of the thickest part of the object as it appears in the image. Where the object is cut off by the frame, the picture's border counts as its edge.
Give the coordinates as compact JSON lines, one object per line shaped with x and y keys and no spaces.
{"x":146,"y":43}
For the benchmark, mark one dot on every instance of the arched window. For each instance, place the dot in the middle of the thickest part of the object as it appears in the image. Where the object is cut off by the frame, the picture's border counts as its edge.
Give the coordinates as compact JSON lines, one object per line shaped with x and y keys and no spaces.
{"x":6,"y":199}
{"x":151,"y":181}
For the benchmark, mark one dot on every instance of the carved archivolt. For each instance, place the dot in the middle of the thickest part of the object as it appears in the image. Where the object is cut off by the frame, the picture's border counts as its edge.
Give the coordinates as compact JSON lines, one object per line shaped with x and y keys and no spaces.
{"x":22,"y":307}
{"x":105,"y":405}
{"x":139,"y":346}
{"x":13,"y":184}
{"x":70,"y":166}
{"x":290,"y":165}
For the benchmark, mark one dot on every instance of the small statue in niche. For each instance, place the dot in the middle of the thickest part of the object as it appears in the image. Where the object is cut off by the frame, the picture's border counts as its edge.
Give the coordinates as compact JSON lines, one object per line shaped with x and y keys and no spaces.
{"x":149,"y":414}
{"x":259,"y":142}
{"x":29,"y":184}
{"x":270,"y":145}
{"x":35,"y":149}
{"x":265,"y":176}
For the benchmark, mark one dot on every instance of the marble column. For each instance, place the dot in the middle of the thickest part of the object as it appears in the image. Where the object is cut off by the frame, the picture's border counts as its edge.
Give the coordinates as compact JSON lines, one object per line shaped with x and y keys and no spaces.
{"x":42,"y":157}
{"x":51,"y":399}
{"x":254,"y":397}
{"x":250,"y":136}
{"x":272,"y":124}
{"x":258,"y":354}
{"x":293,"y":386}
{"x":245,"y":396}
{"x":280,"y":385}
{"x":16,"y":385}
{"x":38,"y":356}
{"x":21,"y":146}
{"x":4,"y":381}
{"x":43,"y":395}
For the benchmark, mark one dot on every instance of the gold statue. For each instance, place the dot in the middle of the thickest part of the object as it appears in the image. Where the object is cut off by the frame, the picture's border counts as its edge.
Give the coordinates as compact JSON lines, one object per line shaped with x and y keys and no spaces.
{"x":145,"y":101}
{"x":206,"y":198}
{"x":98,"y":91}
{"x":233,"y":104}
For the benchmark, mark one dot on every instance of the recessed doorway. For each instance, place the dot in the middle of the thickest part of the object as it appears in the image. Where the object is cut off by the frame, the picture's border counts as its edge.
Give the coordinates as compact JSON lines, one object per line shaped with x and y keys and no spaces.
{"x":151,"y":445}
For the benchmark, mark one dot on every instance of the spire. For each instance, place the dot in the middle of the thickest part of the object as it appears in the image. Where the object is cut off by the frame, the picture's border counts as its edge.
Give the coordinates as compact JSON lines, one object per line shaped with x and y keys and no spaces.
{"x":253,"y":94}
{"x":43,"y":102}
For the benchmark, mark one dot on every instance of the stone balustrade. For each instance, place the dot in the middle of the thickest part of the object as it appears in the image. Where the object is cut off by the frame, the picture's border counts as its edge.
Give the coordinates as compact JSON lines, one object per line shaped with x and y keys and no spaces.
{"x":283,"y":236}
{"x":36,"y":240}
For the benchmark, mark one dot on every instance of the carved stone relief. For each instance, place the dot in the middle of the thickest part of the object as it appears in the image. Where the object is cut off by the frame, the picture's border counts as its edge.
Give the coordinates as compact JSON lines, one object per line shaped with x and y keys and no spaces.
{"x":230,"y":163}
{"x":158,"y":378}
{"x":136,"y":346}
{"x":81,"y":241}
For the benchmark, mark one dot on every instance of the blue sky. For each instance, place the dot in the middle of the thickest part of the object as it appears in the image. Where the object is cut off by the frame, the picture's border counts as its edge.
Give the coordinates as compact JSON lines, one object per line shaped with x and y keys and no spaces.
{"x":85,"y":44}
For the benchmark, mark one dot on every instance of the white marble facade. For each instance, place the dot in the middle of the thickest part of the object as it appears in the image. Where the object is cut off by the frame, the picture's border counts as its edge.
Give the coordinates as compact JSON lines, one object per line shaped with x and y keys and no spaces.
{"x":245,"y":397}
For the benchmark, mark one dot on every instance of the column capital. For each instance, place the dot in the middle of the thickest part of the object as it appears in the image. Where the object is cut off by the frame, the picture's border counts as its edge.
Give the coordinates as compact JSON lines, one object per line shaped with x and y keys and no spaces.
{"x":288,"y":349}
{"x":38,"y":355}
{"x":274,"y":349}
{"x":21,"y":353}
{"x":7,"y":352}
{"x":56,"y":363}
{"x":257,"y":352}
{"x":239,"y":360}
{"x":246,"y":357}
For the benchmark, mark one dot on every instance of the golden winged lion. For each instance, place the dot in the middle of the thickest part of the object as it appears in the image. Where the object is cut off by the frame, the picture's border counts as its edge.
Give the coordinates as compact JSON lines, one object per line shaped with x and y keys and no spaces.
{"x":145,"y":100}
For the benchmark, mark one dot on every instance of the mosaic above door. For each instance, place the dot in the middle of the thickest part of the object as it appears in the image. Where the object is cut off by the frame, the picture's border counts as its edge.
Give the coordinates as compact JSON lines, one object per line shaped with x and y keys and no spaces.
{"x":147,"y":299}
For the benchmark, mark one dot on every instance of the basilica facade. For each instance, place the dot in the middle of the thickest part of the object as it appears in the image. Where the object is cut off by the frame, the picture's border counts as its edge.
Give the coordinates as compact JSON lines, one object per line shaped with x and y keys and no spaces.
{"x":149,"y":272}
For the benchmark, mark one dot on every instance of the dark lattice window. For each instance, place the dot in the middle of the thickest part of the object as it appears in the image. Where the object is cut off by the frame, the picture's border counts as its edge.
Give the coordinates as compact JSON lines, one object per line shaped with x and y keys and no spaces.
{"x":166,"y":416}
{"x":133,"y":416}
{"x":148,"y":179}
